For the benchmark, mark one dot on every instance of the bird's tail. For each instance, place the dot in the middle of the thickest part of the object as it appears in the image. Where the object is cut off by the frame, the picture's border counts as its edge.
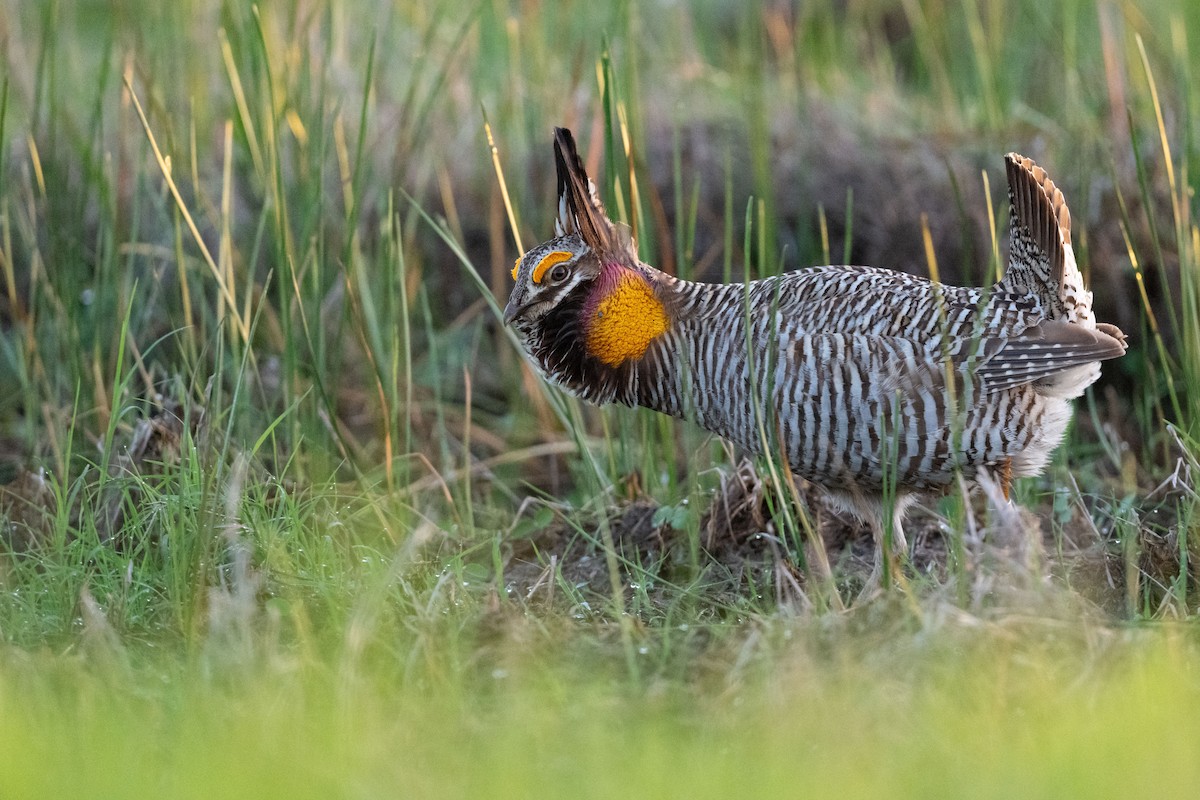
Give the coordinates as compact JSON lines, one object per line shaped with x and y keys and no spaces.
{"x":1041,"y":260}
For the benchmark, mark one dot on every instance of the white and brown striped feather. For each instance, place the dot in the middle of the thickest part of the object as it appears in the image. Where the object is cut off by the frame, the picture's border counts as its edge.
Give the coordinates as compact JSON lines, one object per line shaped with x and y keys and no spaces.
{"x":855,"y":373}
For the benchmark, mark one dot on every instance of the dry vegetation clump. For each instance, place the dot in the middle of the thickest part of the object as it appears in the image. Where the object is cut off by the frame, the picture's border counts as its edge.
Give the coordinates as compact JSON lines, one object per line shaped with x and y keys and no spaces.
{"x":27,"y":509}
{"x":744,"y":549}
{"x":145,"y":454}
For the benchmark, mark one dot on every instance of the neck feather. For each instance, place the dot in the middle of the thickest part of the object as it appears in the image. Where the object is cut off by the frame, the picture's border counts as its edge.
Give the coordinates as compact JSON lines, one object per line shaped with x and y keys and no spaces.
{"x":622,"y":315}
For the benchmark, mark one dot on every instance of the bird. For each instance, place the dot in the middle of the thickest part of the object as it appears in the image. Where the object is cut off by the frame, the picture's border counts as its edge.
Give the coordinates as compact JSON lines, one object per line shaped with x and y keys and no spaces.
{"x":878,"y":386}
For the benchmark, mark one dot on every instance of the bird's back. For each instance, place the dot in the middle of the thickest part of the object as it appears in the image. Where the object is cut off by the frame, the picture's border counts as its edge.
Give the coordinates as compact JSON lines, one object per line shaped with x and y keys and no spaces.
{"x":855,"y":373}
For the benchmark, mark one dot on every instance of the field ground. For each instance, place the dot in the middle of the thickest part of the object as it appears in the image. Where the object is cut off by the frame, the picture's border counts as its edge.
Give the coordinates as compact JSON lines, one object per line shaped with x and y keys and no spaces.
{"x":284,"y":513}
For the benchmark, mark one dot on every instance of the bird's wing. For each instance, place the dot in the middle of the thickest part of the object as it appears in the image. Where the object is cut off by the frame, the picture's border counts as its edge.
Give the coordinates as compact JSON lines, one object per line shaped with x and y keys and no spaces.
{"x":1039,"y":352}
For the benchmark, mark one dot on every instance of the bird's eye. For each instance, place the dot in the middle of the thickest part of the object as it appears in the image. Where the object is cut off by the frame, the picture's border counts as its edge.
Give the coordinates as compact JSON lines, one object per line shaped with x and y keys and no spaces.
{"x":555,"y":265}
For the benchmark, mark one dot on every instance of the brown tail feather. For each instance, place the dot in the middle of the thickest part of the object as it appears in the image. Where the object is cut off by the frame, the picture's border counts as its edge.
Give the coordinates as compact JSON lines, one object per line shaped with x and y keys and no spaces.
{"x":1041,"y":260}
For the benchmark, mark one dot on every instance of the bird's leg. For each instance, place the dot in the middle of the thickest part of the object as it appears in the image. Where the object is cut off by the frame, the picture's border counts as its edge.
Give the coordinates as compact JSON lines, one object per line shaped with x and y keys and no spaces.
{"x":1006,"y":478}
{"x":895,"y":554}
{"x":874,"y":581}
{"x":899,"y":542}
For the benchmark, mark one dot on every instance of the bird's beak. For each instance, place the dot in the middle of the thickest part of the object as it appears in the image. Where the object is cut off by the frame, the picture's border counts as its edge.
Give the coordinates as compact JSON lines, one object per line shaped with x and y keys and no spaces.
{"x":512,"y":311}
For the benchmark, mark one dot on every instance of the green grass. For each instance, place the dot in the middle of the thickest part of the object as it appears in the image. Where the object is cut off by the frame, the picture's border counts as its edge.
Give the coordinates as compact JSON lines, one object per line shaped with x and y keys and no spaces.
{"x":1032,"y":709}
{"x":357,"y":564}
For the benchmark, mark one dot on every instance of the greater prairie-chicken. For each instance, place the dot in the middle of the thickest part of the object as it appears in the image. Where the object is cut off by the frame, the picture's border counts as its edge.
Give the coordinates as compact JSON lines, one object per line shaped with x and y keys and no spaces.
{"x":871,"y":383}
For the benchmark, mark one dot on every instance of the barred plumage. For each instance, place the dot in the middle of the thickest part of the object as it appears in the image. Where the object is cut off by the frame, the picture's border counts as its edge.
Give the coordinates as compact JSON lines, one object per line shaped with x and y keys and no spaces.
{"x":859,"y":376}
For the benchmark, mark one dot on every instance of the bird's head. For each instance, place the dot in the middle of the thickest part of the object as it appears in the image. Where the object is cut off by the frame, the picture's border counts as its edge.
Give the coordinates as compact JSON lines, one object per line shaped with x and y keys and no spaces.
{"x":585,"y":239}
{"x":546,"y":275}
{"x":583,"y":305}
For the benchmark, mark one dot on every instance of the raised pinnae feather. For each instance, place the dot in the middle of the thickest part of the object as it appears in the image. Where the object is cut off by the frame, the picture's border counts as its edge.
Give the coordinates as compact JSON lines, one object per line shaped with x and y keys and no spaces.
{"x":575,"y":187}
{"x":579,"y":208}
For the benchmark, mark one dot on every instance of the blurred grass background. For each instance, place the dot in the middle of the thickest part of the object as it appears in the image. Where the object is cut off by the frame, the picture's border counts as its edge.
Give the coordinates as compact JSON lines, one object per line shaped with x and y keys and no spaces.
{"x":268,"y":458}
